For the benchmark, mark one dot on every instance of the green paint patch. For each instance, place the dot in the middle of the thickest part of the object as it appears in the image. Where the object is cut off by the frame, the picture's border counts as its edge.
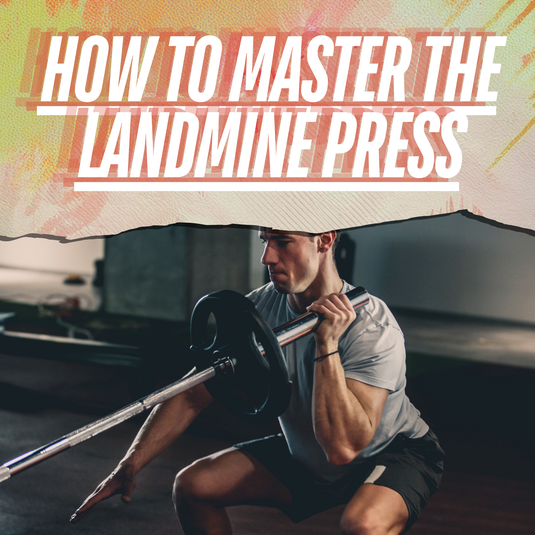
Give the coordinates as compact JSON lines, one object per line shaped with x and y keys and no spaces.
{"x":22,"y":128}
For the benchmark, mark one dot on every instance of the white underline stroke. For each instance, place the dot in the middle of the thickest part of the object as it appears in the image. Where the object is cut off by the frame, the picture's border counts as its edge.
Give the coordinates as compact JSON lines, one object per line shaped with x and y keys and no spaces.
{"x":268,"y":186}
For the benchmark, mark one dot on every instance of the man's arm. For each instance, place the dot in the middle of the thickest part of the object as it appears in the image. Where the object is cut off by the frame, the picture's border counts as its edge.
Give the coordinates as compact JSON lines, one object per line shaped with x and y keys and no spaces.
{"x":164,"y":425}
{"x":346,"y":412}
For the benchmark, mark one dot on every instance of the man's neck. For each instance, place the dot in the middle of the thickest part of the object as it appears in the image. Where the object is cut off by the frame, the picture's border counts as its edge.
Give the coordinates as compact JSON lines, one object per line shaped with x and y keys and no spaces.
{"x":322,"y":286}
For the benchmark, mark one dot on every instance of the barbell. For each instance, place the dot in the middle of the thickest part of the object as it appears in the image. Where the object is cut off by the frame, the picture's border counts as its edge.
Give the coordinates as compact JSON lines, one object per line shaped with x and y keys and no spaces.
{"x":242,"y":365}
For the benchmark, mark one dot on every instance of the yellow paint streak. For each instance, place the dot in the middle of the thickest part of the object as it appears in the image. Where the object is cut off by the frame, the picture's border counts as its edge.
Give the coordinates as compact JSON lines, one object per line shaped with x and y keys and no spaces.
{"x":520,"y":18}
{"x":512,"y":143}
{"x":499,"y":13}
{"x":459,"y":10}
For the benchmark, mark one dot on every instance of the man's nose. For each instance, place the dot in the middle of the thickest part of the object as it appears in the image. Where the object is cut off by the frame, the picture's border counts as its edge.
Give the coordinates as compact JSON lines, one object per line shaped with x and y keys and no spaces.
{"x":269,"y":257}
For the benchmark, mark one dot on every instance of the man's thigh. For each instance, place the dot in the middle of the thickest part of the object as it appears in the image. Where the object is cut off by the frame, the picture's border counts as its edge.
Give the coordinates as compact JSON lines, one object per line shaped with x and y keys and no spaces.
{"x":232,"y":477}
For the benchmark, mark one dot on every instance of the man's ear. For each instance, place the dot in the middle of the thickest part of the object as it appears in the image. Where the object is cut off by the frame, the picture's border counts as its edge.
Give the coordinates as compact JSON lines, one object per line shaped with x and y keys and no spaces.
{"x":326,"y":241}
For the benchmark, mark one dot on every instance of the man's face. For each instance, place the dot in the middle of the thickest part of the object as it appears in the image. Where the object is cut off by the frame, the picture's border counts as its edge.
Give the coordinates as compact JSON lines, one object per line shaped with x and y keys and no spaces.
{"x":292,"y":259}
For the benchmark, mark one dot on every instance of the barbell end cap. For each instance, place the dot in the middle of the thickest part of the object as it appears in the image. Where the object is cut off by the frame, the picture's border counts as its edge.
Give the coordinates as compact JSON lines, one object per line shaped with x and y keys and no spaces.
{"x":224,"y":366}
{"x":4,"y":473}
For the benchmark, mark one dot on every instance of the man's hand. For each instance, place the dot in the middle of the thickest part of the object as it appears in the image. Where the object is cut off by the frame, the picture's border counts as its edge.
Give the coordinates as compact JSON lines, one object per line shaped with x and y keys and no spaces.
{"x":120,"y":481}
{"x":164,"y":425}
{"x":338,"y":314}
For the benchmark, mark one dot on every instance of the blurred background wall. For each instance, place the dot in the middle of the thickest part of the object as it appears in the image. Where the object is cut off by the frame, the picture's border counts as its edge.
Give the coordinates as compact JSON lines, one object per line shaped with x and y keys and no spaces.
{"x":451,"y":263}
{"x":50,"y":255}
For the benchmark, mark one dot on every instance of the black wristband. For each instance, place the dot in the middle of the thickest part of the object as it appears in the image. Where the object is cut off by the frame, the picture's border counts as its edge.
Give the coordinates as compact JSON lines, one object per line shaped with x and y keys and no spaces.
{"x":321,"y":357}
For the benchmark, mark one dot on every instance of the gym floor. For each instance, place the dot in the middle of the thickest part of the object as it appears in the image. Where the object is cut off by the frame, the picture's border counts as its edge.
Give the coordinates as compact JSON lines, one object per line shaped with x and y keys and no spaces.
{"x":481,"y":412}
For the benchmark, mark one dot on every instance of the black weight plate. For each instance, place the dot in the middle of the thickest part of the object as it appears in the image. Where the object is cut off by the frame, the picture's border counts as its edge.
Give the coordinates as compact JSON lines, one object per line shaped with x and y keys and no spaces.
{"x":260,"y":388}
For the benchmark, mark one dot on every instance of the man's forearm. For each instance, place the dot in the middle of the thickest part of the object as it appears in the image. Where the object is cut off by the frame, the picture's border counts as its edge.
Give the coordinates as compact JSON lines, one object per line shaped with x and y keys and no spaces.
{"x":341,"y":424}
{"x":346,"y":412}
{"x":164,"y":425}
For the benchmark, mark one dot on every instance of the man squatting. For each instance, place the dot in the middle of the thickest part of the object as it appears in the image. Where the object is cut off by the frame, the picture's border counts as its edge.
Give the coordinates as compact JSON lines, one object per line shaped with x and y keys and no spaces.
{"x":349,"y":436}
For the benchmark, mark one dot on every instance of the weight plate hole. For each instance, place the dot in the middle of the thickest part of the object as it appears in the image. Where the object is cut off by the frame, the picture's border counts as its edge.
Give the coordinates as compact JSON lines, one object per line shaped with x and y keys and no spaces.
{"x":211,"y":331}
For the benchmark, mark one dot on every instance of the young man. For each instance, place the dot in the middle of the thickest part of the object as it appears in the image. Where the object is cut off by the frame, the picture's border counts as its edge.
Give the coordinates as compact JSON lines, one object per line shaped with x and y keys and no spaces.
{"x":350,"y":435}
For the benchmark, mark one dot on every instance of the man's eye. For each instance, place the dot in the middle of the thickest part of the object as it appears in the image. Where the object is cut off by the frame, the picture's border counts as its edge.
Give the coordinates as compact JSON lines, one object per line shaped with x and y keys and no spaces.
{"x":282,"y":243}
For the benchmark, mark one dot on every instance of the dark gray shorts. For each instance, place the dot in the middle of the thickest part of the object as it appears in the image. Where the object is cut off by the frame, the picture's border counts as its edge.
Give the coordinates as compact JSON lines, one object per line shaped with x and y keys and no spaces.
{"x":412,"y":467}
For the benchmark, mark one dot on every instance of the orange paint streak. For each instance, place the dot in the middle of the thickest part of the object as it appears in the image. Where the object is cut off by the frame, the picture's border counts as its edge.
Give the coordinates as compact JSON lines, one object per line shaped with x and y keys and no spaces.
{"x":476,"y":210}
{"x":77,"y":212}
{"x":499,"y":13}
{"x":527,"y":59}
{"x":5,"y":2}
{"x":512,"y":143}
{"x":459,"y":9}
{"x":53,"y":6}
{"x":520,"y":18}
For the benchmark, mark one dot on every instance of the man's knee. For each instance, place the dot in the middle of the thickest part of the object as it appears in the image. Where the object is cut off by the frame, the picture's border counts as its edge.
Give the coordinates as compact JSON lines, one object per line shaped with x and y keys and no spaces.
{"x":366,"y":522}
{"x":192,"y":483}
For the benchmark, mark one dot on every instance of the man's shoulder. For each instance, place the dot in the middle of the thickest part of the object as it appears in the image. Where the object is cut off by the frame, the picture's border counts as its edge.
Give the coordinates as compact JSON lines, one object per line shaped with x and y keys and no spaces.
{"x":375,"y":315}
{"x":379,"y":311}
{"x":264,"y":292}
{"x":267,"y":298}
{"x":271,"y":304}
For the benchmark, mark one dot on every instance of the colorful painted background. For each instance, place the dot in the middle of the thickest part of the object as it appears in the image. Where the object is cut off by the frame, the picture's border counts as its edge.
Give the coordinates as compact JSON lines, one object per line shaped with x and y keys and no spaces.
{"x":496,"y":181}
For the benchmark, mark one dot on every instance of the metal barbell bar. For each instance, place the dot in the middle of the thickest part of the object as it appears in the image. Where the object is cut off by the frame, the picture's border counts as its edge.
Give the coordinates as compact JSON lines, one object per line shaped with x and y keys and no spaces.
{"x":285,"y":334}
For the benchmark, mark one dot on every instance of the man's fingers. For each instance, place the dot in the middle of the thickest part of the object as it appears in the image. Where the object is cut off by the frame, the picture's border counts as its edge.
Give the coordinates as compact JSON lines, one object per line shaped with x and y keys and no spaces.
{"x":87,"y":505}
{"x":334,"y":301}
{"x":337,"y":314}
{"x":341,"y":302}
{"x":334,"y":305}
{"x":101,"y":493}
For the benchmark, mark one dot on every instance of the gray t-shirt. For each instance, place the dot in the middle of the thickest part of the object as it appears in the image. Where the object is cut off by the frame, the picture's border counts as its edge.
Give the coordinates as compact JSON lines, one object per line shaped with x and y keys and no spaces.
{"x":372,"y":351}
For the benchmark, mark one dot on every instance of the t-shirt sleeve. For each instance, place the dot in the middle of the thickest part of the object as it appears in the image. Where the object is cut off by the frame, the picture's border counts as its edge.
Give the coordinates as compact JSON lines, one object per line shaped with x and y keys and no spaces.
{"x":374,"y":356}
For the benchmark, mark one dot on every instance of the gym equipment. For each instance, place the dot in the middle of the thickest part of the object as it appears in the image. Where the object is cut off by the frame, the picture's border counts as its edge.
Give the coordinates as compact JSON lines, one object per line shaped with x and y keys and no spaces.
{"x":244,"y":359}
{"x":260,"y":387}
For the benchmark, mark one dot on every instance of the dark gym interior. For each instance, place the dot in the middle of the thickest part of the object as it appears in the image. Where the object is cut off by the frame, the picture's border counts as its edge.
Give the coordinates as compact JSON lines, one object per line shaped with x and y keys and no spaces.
{"x":470,"y":373}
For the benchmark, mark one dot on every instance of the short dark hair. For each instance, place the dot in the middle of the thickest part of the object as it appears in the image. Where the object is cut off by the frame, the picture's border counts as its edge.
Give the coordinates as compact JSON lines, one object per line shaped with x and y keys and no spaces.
{"x":336,"y":240}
